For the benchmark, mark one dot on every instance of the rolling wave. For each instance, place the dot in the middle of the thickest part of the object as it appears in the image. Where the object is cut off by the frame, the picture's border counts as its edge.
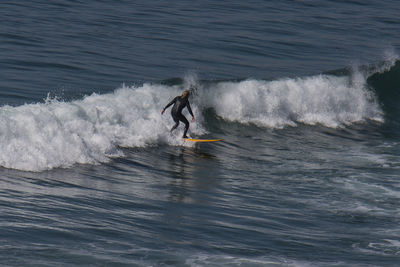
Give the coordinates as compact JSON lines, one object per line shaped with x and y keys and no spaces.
{"x":42,"y":136}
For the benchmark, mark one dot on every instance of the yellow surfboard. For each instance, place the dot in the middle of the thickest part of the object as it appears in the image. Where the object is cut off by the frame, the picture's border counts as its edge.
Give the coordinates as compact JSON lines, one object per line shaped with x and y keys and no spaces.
{"x":202,"y":140}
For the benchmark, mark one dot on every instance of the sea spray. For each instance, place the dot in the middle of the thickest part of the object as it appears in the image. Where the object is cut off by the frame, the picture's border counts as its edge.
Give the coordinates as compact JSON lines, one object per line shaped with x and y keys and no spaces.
{"x":53,"y":134}
{"x":323,"y":99}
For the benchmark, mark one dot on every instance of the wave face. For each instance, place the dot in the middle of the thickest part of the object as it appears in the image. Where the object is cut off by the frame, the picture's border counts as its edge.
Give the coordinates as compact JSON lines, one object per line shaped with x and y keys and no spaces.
{"x":386,"y":85}
{"x":53,"y":134}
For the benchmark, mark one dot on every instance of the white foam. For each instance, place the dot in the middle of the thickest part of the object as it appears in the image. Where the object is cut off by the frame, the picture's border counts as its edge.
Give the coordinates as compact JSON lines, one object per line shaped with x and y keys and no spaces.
{"x":226,"y":260}
{"x":328,"y":100}
{"x":380,"y":247}
{"x":54,"y":134}
{"x":42,"y":136}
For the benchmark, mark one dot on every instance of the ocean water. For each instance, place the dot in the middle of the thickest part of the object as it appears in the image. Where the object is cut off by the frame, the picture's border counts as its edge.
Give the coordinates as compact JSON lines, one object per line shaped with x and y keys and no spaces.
{"x":304,"y":93}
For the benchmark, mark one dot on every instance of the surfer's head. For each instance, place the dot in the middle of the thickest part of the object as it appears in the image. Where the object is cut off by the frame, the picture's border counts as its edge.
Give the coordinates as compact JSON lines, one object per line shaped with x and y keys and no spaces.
{"x":185,"y":94}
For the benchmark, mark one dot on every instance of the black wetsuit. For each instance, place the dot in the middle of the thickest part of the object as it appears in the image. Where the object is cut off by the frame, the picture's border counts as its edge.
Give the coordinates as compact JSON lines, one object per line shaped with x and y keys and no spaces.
{"x":176,"y":112}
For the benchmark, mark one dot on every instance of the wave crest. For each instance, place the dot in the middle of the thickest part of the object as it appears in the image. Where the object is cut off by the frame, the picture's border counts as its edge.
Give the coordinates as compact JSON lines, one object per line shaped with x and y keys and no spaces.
{"x":324,"y":99}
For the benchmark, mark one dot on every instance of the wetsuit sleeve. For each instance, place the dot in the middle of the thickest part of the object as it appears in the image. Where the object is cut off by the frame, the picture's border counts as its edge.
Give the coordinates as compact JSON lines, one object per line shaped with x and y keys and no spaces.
{"x":190,"y":109}
{"x":170,"y":103}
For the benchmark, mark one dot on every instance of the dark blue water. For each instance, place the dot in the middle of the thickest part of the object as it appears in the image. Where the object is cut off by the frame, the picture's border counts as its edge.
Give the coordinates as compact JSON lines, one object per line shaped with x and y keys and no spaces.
{"x":305,"y":95}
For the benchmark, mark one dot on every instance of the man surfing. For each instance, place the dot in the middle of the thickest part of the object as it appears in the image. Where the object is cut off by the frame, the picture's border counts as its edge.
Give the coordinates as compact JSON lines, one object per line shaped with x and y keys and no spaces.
{"x":180,"y":102}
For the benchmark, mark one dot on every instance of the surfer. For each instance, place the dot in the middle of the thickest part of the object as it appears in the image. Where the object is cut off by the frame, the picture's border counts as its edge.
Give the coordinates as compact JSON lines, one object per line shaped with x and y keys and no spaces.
{"x":180,"y":102}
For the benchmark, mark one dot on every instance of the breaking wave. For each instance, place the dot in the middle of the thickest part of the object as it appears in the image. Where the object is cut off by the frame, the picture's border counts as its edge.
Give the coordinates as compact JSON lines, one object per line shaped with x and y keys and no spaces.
{"x":42,"y":136}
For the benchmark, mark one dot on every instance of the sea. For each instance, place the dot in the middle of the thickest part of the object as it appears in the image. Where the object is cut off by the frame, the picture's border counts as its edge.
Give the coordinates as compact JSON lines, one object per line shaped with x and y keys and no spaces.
{"x":305,"y":95}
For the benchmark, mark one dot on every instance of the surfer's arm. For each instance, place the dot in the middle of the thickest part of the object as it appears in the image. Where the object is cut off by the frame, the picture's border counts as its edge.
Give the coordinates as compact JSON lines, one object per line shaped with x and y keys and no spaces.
{"x":190,"y":110}
{"x":168,"y":105}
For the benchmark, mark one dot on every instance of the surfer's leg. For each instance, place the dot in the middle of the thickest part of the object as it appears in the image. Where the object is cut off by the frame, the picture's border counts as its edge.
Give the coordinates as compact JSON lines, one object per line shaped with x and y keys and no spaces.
{"x":186,"y":122}
{"x":175,"y":126}
{"x":176,"y":120}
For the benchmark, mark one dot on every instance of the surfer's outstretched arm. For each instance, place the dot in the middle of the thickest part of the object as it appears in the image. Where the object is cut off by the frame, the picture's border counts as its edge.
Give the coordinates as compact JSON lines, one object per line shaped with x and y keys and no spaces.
{"x":168,"y":105}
